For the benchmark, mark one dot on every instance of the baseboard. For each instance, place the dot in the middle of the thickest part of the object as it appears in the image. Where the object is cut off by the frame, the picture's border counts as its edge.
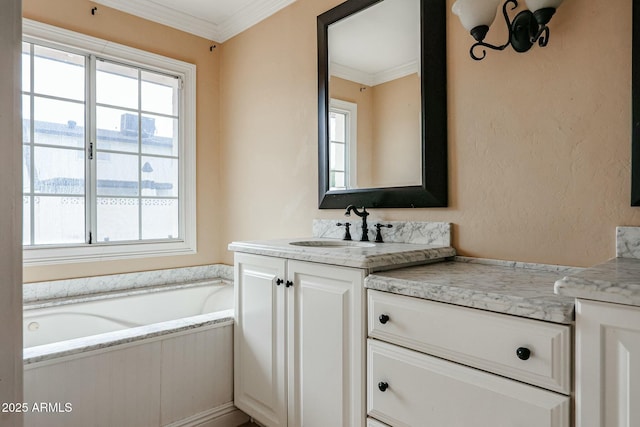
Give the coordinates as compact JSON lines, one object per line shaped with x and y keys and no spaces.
{"x":225,"y":415}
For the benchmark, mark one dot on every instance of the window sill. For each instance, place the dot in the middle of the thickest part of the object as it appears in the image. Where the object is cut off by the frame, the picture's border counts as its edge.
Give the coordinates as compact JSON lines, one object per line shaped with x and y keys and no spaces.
{"x":92,"y":253}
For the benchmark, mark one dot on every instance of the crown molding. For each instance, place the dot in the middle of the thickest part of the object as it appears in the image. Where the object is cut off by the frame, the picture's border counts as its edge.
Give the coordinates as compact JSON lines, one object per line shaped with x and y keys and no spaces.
{"x":238,"y":22}
{"x":166,"y":16}
{"x":250,"y":15}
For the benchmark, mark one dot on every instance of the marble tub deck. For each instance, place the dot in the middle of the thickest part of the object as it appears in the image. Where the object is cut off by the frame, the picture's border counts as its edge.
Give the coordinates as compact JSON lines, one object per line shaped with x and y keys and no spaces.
{"x":518,"y":289}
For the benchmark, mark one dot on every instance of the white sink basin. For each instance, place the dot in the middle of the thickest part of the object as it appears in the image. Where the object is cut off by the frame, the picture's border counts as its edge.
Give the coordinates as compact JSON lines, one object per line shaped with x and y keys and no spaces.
{"x":332,"y":244}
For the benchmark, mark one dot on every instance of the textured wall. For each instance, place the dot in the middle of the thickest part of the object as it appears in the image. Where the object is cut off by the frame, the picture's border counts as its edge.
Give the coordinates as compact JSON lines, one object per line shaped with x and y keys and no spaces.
{"x":539,"y":143}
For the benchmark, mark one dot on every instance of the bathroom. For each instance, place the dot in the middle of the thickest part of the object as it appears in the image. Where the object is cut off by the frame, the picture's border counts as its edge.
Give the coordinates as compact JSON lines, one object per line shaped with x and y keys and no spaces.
{"x":538,"y":143}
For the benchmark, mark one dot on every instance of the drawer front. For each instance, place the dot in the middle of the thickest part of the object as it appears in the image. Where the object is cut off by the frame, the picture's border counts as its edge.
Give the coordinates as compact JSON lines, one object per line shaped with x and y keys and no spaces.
{"x":375,"y":423}
{"x":485,"y":340}
{"x":422,"y":390}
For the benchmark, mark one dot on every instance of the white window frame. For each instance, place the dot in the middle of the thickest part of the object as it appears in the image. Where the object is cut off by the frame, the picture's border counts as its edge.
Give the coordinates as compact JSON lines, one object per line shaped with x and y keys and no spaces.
{"x":351,"y":164}
{"x":48,"y":35}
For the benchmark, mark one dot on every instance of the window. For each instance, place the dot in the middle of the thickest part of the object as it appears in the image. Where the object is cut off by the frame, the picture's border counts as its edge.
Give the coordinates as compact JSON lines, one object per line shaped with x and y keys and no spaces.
{"x":108,"y":149}
{"x":342,"y":144}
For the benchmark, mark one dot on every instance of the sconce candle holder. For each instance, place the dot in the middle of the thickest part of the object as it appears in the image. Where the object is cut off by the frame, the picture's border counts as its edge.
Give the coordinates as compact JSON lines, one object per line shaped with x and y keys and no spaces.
{"x":527,"y":28}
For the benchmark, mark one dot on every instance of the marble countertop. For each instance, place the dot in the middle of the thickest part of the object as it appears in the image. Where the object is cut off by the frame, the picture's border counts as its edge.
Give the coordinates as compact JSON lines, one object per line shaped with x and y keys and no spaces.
{"x":617,"y":281}
{"x":377,"y":257}
{"x":518,"y":289}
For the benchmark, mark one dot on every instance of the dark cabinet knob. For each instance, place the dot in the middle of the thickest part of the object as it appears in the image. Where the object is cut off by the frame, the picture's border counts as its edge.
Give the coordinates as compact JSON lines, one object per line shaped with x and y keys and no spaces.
{"x":384,"y":318}
{"x":289,"y":283}
{"x":523,"y":353}
{"x":383,"y":386}
{"x":279,"y":282}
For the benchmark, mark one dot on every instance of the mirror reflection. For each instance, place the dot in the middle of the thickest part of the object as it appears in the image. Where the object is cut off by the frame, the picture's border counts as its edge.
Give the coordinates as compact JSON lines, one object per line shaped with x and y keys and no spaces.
{"x":375,"y":97}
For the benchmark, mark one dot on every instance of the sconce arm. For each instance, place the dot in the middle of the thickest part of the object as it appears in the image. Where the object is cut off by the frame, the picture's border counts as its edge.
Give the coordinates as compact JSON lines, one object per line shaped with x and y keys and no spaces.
{"x":479,"y":36}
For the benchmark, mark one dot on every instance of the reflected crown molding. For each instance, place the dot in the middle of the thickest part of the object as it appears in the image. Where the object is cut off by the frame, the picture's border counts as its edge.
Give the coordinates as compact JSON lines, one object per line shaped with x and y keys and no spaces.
{"x":373,"y":79}
{"x":222,"y":31}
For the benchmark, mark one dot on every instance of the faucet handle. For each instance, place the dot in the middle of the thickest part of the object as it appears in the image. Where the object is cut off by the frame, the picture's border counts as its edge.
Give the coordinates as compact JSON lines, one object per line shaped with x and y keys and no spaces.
{"x":378,"y":233}
{"x":347,"y":234}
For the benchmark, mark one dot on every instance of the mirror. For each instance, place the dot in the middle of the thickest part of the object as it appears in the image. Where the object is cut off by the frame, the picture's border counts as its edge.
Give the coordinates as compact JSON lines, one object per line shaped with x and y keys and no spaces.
{"x":382,"y":112}
{"x":635,"y":107}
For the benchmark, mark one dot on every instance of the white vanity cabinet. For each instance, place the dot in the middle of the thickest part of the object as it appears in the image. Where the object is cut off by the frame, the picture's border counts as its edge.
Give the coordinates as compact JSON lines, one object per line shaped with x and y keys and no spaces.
{"x":607,"y":364}
{"x":431,"y":363}
{"x":299,"y":342}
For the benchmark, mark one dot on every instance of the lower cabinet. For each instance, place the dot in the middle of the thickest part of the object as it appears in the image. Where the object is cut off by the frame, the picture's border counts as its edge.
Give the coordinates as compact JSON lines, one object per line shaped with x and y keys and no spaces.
{"x":607,"y":365}
{"x":434,"y":364}
{"x":299,"y":342}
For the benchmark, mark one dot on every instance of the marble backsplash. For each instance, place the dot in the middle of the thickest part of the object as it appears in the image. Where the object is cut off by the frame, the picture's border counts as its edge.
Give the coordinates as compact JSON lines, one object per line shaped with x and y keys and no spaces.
{"x":424,"y":233}
{"x":628,"y":242}
{"x":40,"y":291}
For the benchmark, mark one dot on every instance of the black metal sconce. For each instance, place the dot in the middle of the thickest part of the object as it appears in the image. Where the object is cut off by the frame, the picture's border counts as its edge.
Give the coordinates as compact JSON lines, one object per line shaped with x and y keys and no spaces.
{"x":527,"y":28}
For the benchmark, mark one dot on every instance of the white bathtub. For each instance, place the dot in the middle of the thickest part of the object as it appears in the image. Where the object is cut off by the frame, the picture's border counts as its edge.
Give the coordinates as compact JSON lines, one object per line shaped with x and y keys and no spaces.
{"x":80,"y":317}
{"x":148,"y":357}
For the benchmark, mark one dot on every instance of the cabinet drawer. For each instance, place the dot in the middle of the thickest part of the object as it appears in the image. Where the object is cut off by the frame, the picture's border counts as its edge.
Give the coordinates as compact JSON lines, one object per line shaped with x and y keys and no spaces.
{"x":424,"y":390}
{"x":375,"y":423}
{"x":477,"y":338}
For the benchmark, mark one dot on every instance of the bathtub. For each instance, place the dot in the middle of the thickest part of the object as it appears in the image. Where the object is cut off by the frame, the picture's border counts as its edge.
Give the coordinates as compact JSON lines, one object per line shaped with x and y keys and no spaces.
{"x":152,"y":357}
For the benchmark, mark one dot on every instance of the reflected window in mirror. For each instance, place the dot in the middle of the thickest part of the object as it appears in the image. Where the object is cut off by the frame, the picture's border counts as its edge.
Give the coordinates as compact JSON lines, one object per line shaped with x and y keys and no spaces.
{"x":343,"y":143}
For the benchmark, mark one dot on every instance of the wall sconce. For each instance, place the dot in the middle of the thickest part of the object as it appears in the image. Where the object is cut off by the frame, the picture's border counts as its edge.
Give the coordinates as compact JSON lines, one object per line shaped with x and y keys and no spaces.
{"x":527,"y":28}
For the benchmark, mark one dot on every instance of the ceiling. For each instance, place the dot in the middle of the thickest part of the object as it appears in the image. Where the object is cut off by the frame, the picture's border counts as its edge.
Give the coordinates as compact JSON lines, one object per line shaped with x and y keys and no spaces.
{"x":378,"y":44}
{"x":216,"y":20}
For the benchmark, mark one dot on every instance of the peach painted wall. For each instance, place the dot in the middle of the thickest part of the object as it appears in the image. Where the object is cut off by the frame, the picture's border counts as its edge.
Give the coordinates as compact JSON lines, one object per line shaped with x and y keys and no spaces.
{"x":539,"y":143}
{"x":128,"y":30}
{"x":396,"y":129}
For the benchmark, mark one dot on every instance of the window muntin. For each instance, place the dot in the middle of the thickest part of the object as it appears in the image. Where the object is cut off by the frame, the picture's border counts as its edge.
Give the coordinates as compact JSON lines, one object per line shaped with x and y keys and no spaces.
{"x":175,"y":120}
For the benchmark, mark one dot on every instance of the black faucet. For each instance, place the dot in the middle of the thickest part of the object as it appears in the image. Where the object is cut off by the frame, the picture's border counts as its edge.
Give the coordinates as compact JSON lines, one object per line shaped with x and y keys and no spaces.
{"x":362,"y":214}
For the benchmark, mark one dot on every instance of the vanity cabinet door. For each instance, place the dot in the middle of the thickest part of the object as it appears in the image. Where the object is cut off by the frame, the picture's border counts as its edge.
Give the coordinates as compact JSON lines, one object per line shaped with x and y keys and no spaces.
{"x":326,"y":345}
{"x":299,"y":343}
{"x":409,"y":389}
{"x":607,"y":365}
{"x":259,"y":338}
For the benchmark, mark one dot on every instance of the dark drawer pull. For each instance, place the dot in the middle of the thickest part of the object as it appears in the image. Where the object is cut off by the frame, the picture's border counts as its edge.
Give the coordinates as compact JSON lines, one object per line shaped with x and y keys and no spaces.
{"x":523,"y":353}
{"x":384,"y":318}
{"x":383,"y":386}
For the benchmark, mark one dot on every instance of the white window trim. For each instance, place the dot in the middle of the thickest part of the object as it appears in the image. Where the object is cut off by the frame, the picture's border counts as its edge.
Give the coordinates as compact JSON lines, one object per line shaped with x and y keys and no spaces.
{"x":352,"y":139}
{"x":46,"y":255}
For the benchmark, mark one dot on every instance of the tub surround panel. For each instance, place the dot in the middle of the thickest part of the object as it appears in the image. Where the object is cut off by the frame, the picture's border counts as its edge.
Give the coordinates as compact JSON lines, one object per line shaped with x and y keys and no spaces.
{"x":425,"y":233}
{"x":488,"y":285}
{"x":628,"y":242}
{"x":375,"y":258}
{"x":58,"y":289}
{"x":150,"y":382}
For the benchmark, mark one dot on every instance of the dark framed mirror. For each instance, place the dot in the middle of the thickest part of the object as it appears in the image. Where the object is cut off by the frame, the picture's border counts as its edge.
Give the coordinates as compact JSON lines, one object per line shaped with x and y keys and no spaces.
{"x":635,"y":109}
{"x":357,"y":157}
